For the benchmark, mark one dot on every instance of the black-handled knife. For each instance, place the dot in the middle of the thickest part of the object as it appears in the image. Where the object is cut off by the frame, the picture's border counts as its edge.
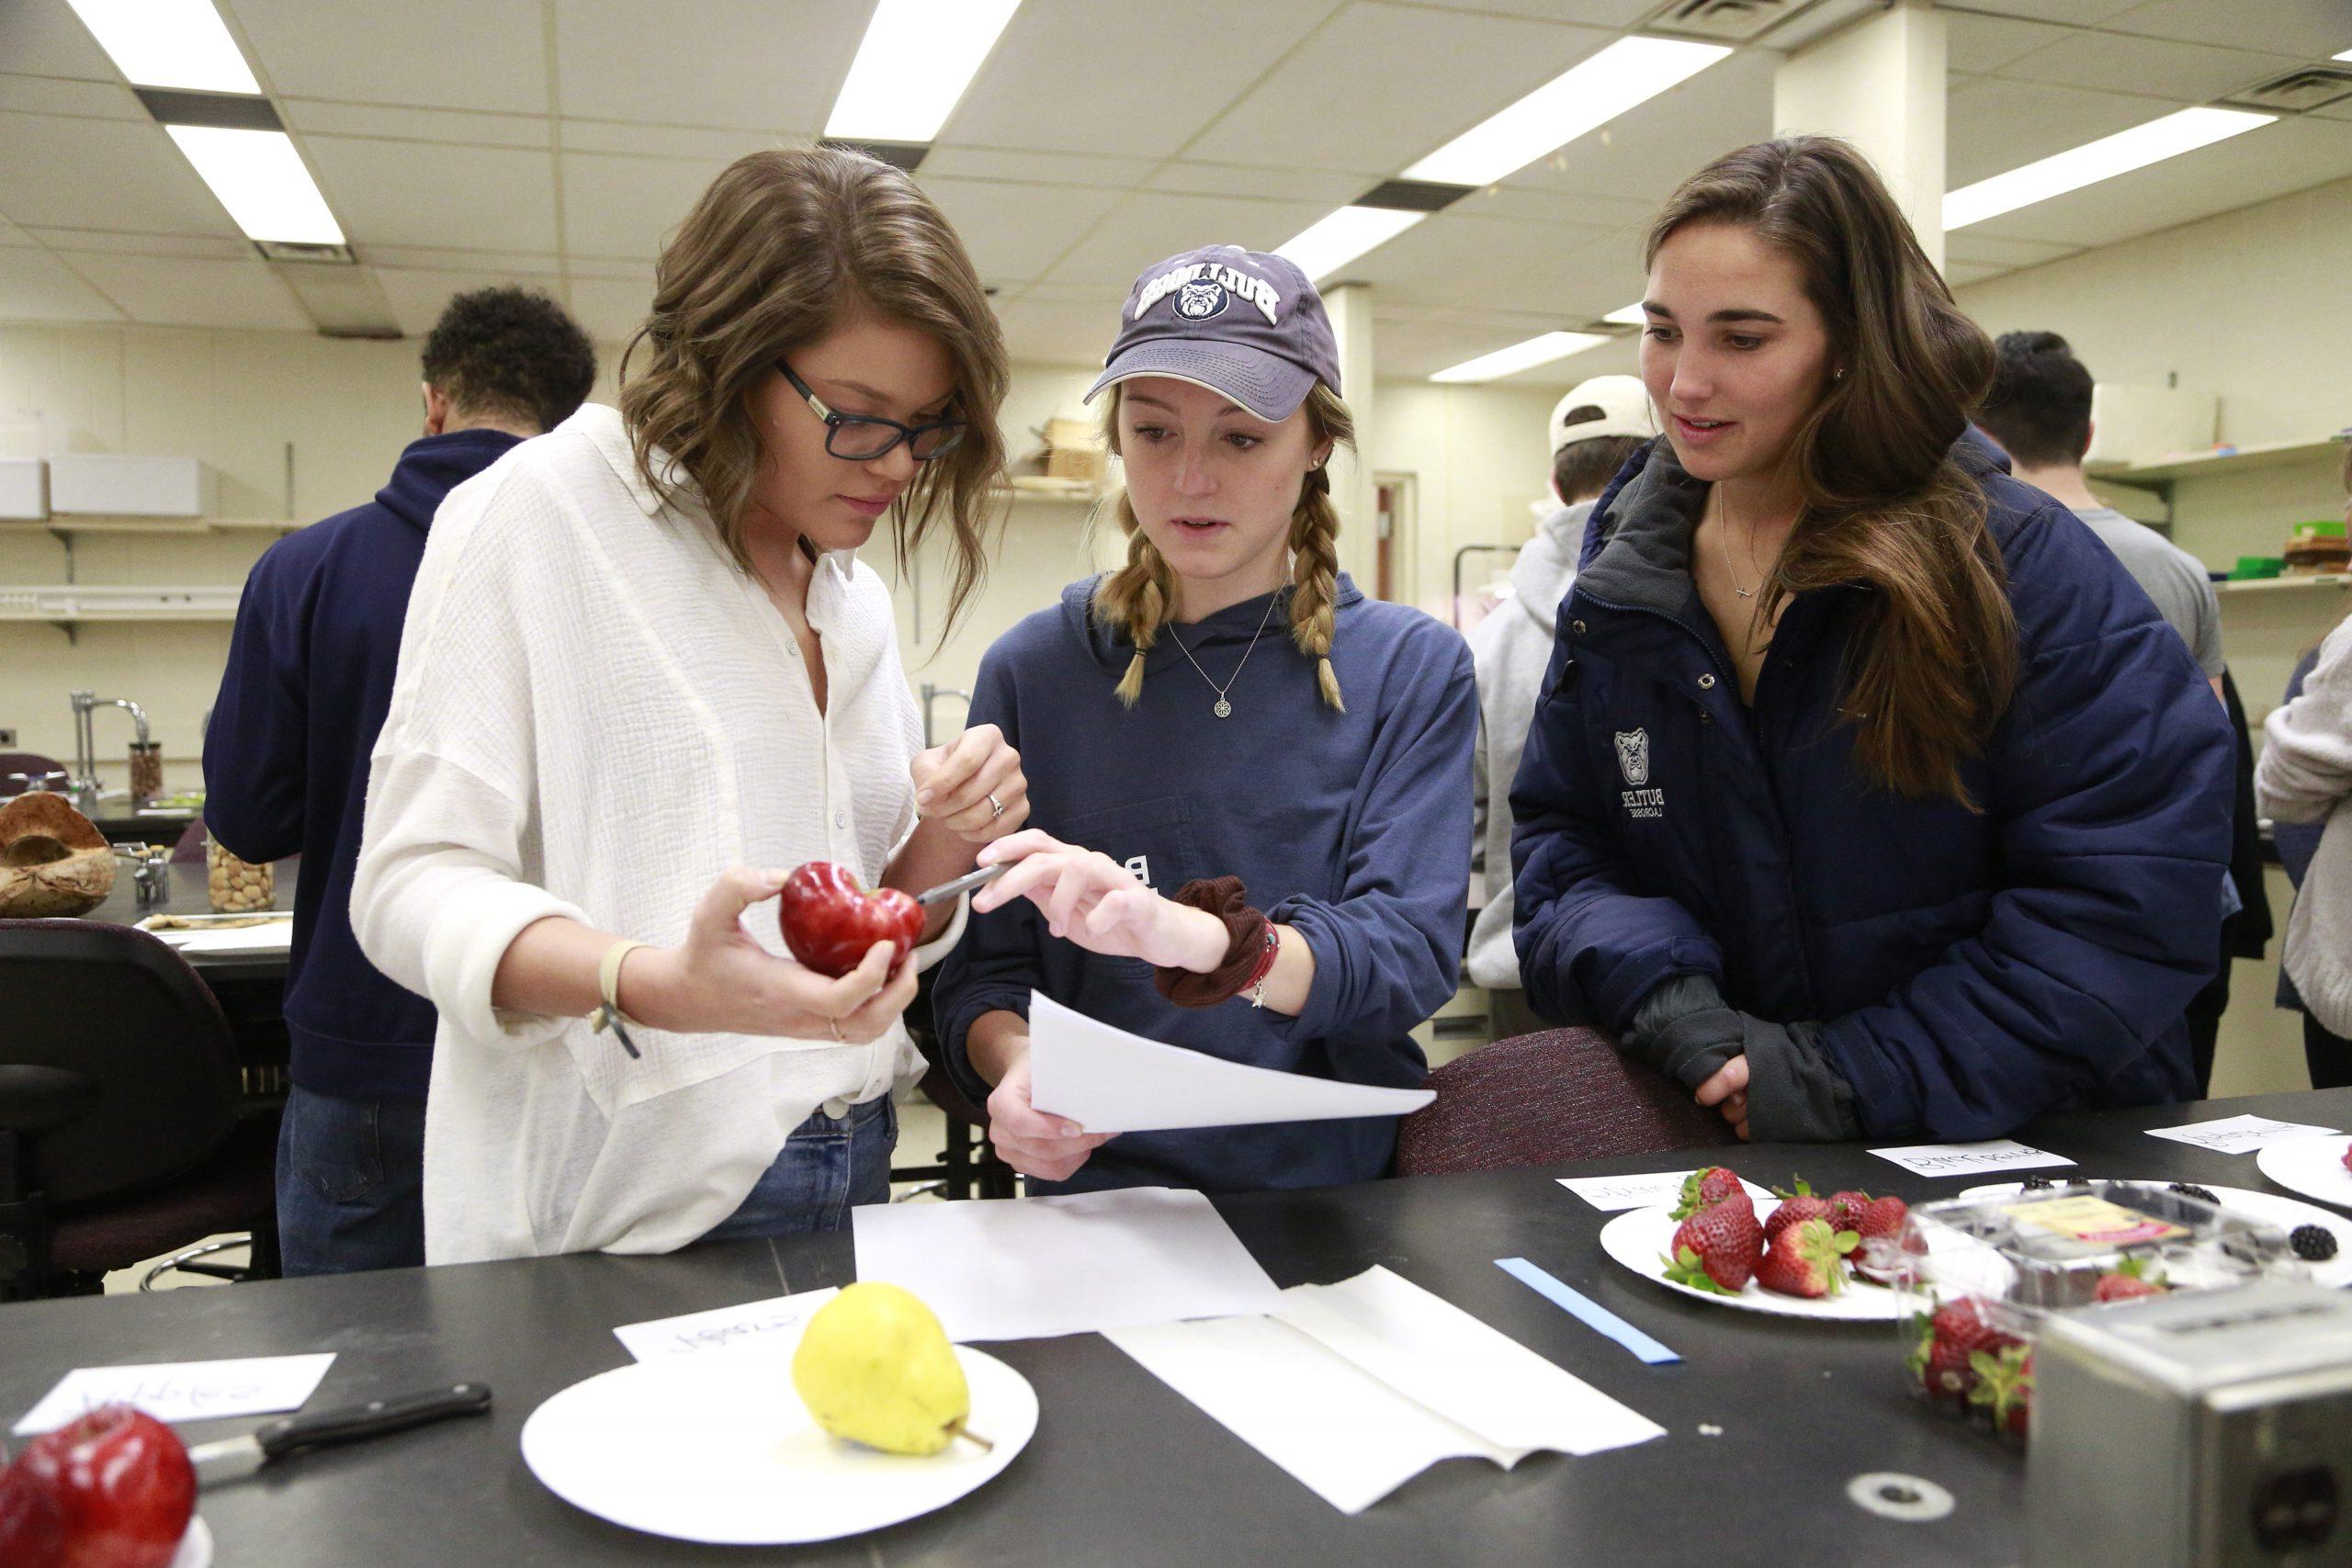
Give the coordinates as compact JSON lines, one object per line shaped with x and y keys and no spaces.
{"x":233,"y":1457}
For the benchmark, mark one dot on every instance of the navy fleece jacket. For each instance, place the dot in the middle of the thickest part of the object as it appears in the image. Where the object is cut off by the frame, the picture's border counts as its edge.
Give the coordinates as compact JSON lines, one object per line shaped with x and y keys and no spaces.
{"x":1353,"y":829}
{"x":310,"y":676}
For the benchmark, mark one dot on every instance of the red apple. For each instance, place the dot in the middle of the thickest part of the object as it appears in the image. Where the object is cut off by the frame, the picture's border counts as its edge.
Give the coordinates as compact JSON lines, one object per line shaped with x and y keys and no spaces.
{"x":120,"y":1486}
{"x":830,"y":922}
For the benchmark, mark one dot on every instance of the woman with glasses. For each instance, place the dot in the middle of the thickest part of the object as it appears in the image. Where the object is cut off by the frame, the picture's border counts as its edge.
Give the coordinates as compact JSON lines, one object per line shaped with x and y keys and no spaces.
{"x":643,"y":677}
{"x":1254,"y":821}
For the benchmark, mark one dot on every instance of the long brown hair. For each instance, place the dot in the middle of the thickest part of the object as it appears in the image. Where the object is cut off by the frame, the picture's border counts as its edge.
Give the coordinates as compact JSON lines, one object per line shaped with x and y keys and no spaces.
{"x":1884,"y":503}
{"x":781,"y":248}
{"x":1139,"y":597}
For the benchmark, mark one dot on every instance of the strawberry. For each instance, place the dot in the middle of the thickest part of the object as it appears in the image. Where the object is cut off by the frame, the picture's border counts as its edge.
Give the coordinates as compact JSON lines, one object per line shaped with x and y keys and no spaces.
{"x":1846,"y":1209}
{"x":1962,"y":1329}
{"x":2347,"y":1157}
{"x":2005,"y":1386}
{"x":1704,"y":1189}
{"x":1795,"y":1211}
{"x":2127,"y":1282}
{"x":1880,"y":1217}
{"x":1884,"y":1252}
{"x":1717,"y":1249}
{"x":1802,"y":1260}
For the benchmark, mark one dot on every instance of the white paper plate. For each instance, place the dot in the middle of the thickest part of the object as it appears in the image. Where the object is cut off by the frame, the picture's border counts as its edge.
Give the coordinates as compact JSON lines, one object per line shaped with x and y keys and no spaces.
{"x":195,"y":1547}
{"x":2268,"y":1207}
{"x":721,"y":1450}
{"x":2312,"y":1167}
{"x":1638,"y":1239}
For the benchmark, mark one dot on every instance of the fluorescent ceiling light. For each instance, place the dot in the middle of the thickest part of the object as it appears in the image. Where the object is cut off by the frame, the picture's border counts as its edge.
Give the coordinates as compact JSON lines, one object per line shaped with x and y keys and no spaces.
{"x":260,"y":179}
{"x":1630,"y":71}
{"x":2096,"y":161}
{"x":1332,"y":242}
{"x":168,"y":43}
{"x":1630,"y":315}
{"x":916,"y":61}
{"x":1522,"y":357}
{"x":2346,"y":55}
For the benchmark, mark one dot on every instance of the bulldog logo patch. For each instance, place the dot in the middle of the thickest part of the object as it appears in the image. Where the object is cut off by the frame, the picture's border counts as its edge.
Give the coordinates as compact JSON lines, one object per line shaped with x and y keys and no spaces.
{"x":1199,"y":301}
{"x":1639,"y":799}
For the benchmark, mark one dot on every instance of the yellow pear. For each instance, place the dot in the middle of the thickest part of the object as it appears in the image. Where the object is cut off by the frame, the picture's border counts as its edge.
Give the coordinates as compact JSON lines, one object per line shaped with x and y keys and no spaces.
{"x":875,"y":1366}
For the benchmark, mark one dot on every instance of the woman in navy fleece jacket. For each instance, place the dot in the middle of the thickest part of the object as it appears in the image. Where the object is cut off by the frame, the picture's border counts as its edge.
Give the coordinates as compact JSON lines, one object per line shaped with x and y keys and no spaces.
{"x":1868,"y":794}
{"x":1226,"y":706}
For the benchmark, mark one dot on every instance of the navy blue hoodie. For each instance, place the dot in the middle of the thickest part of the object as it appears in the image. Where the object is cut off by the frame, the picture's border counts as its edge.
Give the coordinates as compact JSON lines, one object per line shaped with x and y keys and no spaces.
{"x":309,"y":677}
{"x":1353,"y":829}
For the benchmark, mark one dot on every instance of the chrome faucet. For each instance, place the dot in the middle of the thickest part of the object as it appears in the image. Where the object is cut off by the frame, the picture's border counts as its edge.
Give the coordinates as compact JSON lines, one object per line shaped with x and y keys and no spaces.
{"x":85,"y":741}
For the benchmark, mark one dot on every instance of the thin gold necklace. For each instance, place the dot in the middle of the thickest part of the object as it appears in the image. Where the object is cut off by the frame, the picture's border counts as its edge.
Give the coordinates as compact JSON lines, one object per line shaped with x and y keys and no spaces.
{"x":1722,"y":538}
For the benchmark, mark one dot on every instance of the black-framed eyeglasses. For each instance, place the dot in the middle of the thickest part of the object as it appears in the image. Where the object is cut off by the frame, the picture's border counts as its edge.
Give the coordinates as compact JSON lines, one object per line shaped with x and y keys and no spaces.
{"x":861,"y":438}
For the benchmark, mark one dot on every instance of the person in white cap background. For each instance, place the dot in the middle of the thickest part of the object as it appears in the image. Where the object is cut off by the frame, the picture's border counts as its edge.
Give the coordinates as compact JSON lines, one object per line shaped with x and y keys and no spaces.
{"x":1222,"y":726}
{"x":1594,"y":429}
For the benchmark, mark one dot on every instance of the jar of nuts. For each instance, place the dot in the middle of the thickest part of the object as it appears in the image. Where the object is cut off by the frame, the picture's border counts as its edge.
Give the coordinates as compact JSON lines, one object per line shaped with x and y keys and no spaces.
{"x":237,"y":886}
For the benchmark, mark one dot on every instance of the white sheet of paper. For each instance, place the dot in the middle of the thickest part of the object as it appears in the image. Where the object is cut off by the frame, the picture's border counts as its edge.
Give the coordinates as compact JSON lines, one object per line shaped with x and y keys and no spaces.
{"x":1967,"y":1159}
{"x":1609,"y":1193}
{"x":183,"y":1391}
{"x":2236,"y":1134}
{"x":1034,"y":1268}
{"x":1108,"y":1080}
{"x":770,"y":1328}
{"x":277,"y":935}
{"x":1357,"y":1387}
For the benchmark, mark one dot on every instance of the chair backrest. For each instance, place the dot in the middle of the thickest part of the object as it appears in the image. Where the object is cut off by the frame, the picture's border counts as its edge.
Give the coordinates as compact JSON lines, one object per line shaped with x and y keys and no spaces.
{"x":189,"y":848}
{"x":1549,"y":1099}
{"x":24,"y":763}
{"x":118,"y":1007}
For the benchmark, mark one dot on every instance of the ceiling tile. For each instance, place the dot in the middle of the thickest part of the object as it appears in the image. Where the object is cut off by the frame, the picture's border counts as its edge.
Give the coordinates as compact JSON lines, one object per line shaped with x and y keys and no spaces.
{"x":1034,"y":168}
{"x":418,"y":295}
{"x":2314,"y":28}
{"x":1588,"y":13}
{"x":395,"y":123}
{"x":407,"y":193}
{"x":1572,"y":275}
{"x":1138,"y":81}
{"x":1047,"y":332}
{"x":204,"y":247}
{"x":432,"y":54}
{"x":1960,"y":273}
{"x":441,"y":258}
{"x":770,"y":65}
{"x":64,"y":95}
{"x":699,"y":143}
{"x":37,"y":286}
{"x":43,"y":37}
{"x":66,"y":172}
{"x":2188,"y":72}
{"x":1978,"y":248}
{"x":2068,"y":13}
{"x":1978,"y":42}
{"x":625,"y":206}
{"x":1015,"y":232}
{"x":1330,"y":187}
{"x":12,"y":235}
{"x":1148,"y":227}
{"x":1644,"y":153}
{"x":1433,"y":75}
{"x":1993,"y":125}
{"x":2271,"y":161}
{"x":611,"y":311}
{"x":182,"y":292}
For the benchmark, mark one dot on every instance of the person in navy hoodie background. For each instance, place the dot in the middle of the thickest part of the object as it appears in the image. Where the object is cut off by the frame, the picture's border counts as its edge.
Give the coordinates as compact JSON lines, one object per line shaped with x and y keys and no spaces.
{"x":1223,"y":726}
{"x":1868,"y":795}
{"x":309,"y":679}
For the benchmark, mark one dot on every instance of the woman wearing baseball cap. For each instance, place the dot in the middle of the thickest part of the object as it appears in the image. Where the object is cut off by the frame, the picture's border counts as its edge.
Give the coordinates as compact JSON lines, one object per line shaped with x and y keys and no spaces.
{"x":1247,"y":780}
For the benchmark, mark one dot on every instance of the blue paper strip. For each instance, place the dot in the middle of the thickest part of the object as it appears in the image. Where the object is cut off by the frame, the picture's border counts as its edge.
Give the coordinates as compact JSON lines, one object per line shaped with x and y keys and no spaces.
{"x":1585,"y":1309}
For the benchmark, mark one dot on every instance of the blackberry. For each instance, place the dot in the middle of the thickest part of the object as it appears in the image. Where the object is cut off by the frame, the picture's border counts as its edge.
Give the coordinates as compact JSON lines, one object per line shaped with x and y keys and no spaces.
{"x":2314,"y":1243}
{"x":2190,"y":1189}
{"x":2037,"y":1184}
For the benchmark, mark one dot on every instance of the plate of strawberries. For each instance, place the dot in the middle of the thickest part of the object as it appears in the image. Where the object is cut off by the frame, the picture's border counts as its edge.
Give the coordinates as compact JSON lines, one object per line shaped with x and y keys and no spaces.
{"x":1799,"y":1255}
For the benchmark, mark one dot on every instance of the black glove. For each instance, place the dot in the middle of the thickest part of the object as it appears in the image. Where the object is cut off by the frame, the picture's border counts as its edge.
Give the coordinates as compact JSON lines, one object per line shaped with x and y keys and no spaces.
{"x":1685,"y":1030}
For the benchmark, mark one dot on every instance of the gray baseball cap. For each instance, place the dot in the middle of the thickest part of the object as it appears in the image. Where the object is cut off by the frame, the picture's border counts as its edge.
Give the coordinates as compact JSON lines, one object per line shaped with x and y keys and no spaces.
{"x":1244,"y":324}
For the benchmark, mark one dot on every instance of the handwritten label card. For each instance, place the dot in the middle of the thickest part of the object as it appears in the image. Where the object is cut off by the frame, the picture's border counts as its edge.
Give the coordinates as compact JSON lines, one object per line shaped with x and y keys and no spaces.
{"x":1968,"y":1159}
{"x":770,"y":1326}
{"x":183,"y":1391}
{"x":2236,"y":1135}
{"x":1640,"y":1190}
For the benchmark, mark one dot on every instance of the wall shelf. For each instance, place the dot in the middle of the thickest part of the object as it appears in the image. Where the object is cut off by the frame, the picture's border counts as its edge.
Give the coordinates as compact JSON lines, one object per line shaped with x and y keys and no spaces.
{"x":2256,"y":455}
{"x":61,"y":525}
{"x":2335,"y":580}
{"x":71,"y":606}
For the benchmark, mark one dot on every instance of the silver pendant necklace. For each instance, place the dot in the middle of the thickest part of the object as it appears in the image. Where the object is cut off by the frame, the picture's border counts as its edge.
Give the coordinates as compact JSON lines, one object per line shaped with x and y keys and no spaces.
{"x":1223,"y":708}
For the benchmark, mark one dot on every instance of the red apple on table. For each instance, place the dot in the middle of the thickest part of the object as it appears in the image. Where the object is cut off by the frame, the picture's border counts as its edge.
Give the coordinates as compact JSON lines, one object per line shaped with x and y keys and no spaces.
{"x":111,"y":1490}
{"x":830,"y":922}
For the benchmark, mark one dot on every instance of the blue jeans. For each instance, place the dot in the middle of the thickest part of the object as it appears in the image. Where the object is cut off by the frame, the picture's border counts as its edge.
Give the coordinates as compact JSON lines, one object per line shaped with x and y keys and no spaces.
{"x":350,"y":1183}
{"x":828,"y":1164}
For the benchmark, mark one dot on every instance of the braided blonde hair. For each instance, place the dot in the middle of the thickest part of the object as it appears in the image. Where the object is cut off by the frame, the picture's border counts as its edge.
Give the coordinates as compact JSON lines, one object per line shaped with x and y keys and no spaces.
{"x":1139,"y":597}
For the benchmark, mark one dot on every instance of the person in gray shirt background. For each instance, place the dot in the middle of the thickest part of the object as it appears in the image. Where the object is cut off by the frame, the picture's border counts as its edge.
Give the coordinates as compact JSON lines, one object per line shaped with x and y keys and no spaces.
{"x":2039,"y":409}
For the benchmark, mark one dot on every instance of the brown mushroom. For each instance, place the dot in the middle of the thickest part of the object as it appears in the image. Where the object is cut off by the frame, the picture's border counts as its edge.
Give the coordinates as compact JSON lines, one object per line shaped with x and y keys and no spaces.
{"x":52,"y":860}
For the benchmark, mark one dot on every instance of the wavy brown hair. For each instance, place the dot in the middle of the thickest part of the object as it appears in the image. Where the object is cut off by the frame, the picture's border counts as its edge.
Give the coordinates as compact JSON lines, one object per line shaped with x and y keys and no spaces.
{"x":1884,"y":503}
{"x":782,"y":247}
{"x":1139,"y":597}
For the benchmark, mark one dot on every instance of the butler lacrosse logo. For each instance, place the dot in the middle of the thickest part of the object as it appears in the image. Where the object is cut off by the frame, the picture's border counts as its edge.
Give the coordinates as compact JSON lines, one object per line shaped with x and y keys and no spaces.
{"x":1199,"y":301}
{"x":1634,"y":762}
